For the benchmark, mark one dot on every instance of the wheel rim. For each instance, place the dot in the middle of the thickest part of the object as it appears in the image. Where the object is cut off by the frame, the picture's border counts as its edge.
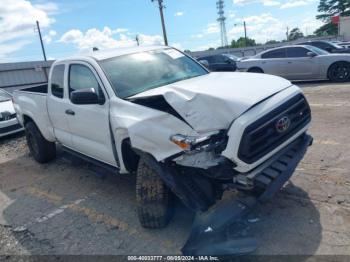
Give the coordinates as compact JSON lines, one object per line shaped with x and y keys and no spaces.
{"x":341,"y":72}
{"x":33,"y":145}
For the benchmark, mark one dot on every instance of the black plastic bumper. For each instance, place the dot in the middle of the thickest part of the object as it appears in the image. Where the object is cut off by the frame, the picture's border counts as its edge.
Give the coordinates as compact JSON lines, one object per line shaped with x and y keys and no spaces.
{"x":208,"y":236}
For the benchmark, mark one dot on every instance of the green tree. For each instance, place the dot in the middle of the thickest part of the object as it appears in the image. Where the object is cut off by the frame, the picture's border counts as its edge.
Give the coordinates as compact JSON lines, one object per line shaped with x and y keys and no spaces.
{"x":241,"y":42}
{"x":295,"y":34}
{"x":328,"y":9}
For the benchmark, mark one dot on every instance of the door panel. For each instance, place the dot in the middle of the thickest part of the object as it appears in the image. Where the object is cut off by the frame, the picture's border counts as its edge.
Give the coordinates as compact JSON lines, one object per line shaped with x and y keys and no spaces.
{"x":273,"y":62}
{"x":90,"y":123}
{"x":300,"y":66}
{"x":56,"y":104}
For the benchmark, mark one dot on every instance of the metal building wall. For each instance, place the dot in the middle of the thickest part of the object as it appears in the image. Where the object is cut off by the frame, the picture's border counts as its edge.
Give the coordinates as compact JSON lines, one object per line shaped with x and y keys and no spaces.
{"x":24,"y":73}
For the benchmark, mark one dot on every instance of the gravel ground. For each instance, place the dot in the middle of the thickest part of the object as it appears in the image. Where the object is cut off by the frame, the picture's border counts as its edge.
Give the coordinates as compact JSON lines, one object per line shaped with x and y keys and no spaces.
{"x":71,"y":207}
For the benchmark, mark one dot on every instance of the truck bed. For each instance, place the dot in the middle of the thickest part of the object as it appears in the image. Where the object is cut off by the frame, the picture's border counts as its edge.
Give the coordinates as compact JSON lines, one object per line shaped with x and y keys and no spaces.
{"x":42,"y":88}
{"x":31,"y":103}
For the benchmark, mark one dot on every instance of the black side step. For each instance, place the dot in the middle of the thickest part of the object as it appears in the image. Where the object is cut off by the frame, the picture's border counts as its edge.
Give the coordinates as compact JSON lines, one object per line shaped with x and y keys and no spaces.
{"x":91,"y":160}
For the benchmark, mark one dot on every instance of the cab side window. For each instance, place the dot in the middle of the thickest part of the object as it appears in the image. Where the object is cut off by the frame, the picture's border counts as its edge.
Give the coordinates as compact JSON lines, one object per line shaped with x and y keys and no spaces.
{"x":81,"y":77}
{"x":57,"y":80}
{"x":297,"y":52}
{"x":278,"y":53}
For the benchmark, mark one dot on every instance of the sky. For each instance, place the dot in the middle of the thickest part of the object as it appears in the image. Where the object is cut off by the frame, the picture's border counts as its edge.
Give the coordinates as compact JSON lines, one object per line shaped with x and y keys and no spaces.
{"x":74,"y":26}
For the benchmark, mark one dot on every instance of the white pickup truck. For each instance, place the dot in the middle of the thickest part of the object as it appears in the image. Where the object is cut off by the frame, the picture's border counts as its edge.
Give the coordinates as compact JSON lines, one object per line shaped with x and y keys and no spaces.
{"x":157,"y":112}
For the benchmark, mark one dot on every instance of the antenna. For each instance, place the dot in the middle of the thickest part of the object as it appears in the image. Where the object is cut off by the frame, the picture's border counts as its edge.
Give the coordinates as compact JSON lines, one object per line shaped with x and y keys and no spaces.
{"x":221,"y":20}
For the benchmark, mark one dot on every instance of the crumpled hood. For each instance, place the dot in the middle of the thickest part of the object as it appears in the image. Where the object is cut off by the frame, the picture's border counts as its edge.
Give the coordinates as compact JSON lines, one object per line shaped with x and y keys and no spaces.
{"x":213,"y":101}
{"x":7,"y":106}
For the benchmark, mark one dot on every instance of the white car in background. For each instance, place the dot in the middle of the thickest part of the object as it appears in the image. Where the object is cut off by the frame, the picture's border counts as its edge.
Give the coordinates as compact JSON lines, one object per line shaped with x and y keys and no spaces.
{"x":299,"y":63}
{"x":8,"y":121}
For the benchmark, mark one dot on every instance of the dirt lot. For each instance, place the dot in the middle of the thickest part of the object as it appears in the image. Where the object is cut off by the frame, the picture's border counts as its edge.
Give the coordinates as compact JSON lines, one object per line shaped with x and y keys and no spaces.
{"x":71,"y":207}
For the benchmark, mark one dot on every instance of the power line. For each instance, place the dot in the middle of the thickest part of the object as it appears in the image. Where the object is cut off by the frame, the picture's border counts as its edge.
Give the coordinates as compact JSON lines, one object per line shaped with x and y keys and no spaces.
{"x":161,"y":7}
{"x":221,"y":20}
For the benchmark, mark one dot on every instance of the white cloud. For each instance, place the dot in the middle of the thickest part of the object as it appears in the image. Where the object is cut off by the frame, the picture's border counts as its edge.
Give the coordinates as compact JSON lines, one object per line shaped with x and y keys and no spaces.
{"x":293,"y":4}
{"x":48,"y":38}
{"x":17,"y":23}
{"x":263,"y":2}
{"x":120,"y":30}
{"x":105,"y":39}
{"x":180,"y":13}
{"x":212,"y":28}
{"x":261,"y":27}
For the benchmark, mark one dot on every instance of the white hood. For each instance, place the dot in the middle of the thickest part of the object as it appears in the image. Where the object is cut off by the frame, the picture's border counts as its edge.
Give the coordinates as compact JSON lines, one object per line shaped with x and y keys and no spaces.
{"x":7,"y":106}
{"x":213,"y":101}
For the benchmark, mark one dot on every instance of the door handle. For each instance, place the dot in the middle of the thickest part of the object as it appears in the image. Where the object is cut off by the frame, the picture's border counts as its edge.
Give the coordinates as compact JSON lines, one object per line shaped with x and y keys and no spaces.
{"x":289,"y":62}
{"x":70,"y":112}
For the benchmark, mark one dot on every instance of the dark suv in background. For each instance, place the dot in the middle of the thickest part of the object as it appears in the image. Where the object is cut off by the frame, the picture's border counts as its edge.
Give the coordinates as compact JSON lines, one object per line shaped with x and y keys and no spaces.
{"x":221,"y":62}
{"x":327,"y":46}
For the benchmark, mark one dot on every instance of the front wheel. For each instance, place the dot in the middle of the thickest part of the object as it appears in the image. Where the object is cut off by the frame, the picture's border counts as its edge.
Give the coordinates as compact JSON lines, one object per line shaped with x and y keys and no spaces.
{"x":42,"y":150}
{"x":153,"y":198}
{"x":339,"y":72}
{"x":256,"y":70}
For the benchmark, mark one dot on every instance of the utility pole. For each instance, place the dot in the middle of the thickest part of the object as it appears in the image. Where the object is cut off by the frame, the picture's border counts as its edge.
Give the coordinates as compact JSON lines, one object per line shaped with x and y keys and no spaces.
{"x":137,"y":40}
{"x":41,"y":40}
{"x":245,"y":33}
{"x":161,"y":6}
{"x":287,"y":33}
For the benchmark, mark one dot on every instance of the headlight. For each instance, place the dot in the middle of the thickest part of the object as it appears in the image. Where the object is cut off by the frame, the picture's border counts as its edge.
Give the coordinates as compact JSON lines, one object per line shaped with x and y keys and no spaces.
{"x":187,"y":142}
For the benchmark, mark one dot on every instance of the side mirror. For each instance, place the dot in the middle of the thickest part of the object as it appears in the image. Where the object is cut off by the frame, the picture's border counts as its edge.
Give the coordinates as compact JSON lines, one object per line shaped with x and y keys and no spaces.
{"x":204,"y":63}
{"x":329,"y":49}
{"x":86,"y":96}
{"x":311,"y":54}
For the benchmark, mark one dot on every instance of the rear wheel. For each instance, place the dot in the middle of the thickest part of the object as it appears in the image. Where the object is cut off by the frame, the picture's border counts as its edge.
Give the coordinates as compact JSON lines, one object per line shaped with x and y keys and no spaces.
{"x":153,"y":198}
{"x":42,"y":150}
{"x":255,"y":70}
{"x":339,"y":72}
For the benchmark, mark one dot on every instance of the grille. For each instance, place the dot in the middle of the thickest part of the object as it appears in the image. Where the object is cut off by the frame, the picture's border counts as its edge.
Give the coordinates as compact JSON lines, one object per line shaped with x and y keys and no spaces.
{"x":261,"y":137}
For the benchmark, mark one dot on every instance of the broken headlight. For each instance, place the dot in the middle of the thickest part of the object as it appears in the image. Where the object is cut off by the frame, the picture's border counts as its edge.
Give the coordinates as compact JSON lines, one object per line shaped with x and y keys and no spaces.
{"x":216,"y":141}
{"x":188,"y":142}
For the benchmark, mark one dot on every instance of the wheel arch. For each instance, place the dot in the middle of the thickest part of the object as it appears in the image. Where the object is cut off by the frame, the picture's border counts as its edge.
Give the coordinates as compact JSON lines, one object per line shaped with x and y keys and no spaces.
{"x":129,"y":156}
{"x":256,"y":68}
{"x":330,"y":66}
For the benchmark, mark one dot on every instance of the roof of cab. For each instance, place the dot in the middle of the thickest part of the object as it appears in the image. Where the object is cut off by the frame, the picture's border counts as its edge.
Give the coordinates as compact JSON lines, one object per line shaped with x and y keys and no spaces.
{"x":105,"y":54}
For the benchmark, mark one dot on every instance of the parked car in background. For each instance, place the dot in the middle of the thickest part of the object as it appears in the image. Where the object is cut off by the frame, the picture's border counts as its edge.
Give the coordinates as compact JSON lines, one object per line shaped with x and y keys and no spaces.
{"x":299,"y":63}
{"x":8,"y":121}
{"x":328,"y":46}
{"x":344,"y":44}
{"x":221,"y":62}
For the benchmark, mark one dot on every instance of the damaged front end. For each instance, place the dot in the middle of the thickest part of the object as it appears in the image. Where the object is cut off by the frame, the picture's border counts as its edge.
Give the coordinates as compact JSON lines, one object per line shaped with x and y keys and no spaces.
{"x":202,"y":191}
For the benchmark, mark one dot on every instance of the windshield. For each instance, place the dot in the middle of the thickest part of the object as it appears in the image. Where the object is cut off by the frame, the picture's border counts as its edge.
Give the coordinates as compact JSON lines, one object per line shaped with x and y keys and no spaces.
{"x":234,"y":58}
{"x":4,"y":96}
{"x":317,"y":50}
{"x":139,"y":72}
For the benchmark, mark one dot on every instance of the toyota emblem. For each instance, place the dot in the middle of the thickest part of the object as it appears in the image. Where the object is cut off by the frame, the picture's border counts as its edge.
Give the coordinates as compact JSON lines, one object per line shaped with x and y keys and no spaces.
{"x":283,"y":124}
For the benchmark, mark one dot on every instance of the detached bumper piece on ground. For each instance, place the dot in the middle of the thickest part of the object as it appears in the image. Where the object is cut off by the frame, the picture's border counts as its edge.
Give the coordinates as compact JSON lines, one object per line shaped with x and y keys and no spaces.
{"x":208,"y":235}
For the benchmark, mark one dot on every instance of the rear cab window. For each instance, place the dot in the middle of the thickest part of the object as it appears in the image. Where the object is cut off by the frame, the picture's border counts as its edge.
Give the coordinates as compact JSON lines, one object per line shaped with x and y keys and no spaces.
{"x":57,"y":81}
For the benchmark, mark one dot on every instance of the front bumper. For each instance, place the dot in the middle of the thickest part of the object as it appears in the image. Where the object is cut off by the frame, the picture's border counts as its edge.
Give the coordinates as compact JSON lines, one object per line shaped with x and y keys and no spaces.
{"x":208,"y":232}
{"x":10,"y":127}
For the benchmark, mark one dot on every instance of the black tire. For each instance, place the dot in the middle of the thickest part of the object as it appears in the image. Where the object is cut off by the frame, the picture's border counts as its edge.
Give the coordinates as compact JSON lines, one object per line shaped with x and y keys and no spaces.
{"x":42,"y":150}
{"x":255,"y":70}
{"x":153,"y":198}
{"x":339,"y":72}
